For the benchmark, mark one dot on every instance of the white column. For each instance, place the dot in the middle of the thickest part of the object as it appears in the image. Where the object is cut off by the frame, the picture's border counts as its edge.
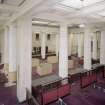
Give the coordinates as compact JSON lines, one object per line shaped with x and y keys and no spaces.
{"x":6,"y":45}
{"x":43,"y":46}
{"x":24,"y":56}
{"x":12,"y":47}
{"x":69,"y":45}
{"x":57,"y":44}
{"x":63,"y":51}
{"x":87,"y":49}
{"x":2,"y":33}
{"x":82,"y":44}
{"x":94,"y":46}
{"x":10,"y":52}
{"x":79,"y":45}
{"x":102,"y":48}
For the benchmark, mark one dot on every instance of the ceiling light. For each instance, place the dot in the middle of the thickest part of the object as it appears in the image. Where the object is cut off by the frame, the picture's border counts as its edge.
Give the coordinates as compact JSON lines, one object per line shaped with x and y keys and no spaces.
{"x":82,"y":25}
{"x":40,"y":22}
{"x":54,"y":24}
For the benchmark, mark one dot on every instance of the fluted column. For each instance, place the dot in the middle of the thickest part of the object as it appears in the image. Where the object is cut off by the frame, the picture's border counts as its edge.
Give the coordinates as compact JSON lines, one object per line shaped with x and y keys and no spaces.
{"x":94,"y":46}
{"x":87,"y":49}
{"x":24,"y":56}
{"x":12,"y":52}
{"x":2,"y":40}
{"x":79,"y":45}
{"x":102,"y":48}
{"x":43,"y":46}
{"x":70,"y":44}
{"x":6,"y":50}
{"x":57,"y":45}
{"x":63,"y":51}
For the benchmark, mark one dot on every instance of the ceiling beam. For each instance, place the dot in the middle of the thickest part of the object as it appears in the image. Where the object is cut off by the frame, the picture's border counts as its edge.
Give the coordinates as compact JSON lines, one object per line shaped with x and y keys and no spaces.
{"x":4,"y":18}
{"x":1,"y":1}
{"x":26,"y":8}
{"x":29,"y":6}
{"x":51,"y":17}
{"x":8,"y":8}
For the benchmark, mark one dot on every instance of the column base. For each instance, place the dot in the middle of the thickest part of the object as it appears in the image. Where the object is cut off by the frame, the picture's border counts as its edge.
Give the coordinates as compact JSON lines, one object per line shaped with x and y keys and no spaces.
{"x":8,"y":84}
{"x":6,"y":68}
{"x":12,"y":77}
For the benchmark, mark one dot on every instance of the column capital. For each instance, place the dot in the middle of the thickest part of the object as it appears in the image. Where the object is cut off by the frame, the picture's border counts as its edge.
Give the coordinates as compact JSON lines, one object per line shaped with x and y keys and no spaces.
{"x":13,"y":24}
{"x":64,"y":24}
{"x":6,"y":27}
{"x":89,"y":26}
{"x":44,"y":32}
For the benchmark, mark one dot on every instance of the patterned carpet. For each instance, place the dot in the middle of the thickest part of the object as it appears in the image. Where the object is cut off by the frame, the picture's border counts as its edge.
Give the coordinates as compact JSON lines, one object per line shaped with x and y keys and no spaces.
{"x":78,"y":96}
{"x":86,"y":96}
{"x":7,"y":95}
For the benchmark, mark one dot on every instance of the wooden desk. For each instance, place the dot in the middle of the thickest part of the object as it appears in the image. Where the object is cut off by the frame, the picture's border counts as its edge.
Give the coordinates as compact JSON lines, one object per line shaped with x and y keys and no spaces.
{"x":47,"y":54}
{"x":50,"y":89}
{"x":100,"y":68}
{"x":76,"y":71}
{"x":88,"y":77}
{"x":98,"y":65}
{"x":74,"y":74}
{"x":46,"y":80}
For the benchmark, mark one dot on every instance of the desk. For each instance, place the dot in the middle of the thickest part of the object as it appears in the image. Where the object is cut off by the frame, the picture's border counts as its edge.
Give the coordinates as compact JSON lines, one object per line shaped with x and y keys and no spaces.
{"x":100,"y":68}
{"x":97,"y":65}
{"x":88,"y":77}
{"x":49,"y":88}
{"x":47,"y":54}
{"x":76,"y":71}
{"x":46,"y":80}
{"x":74,"y":74}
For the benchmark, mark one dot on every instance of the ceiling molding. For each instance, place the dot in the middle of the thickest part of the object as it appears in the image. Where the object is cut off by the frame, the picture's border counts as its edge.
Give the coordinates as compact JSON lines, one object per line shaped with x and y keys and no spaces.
{"x":26,"y":8}
{"x":22,"y":3}
{"x":10,"y":8}
{"x":4,"y":18}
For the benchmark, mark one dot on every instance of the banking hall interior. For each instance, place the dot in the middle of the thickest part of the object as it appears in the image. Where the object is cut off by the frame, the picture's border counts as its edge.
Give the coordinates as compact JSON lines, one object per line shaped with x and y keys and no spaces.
{"x":52,"y":52}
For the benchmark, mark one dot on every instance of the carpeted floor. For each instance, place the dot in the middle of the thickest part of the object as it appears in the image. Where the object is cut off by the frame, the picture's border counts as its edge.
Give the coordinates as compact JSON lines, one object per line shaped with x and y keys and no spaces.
{"x":86,"y":96}
{"x":8,"y":95}
{"x":78,"y":96}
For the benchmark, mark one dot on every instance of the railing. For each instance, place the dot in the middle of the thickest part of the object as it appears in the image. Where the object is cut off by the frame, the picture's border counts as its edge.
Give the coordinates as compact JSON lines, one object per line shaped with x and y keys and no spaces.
{"x":30,"y":99}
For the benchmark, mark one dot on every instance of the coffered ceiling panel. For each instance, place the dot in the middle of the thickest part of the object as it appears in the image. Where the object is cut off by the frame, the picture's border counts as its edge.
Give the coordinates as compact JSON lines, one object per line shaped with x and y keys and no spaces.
{"x":70,"y":11}
{"x":79,"y":3}
{"x":102,"y":13}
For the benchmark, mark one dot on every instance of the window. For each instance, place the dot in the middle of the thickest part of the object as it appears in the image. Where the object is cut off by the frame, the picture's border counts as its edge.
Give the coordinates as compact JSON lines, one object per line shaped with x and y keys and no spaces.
{"x":37,"y":36}
{"x":48,"y":36}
